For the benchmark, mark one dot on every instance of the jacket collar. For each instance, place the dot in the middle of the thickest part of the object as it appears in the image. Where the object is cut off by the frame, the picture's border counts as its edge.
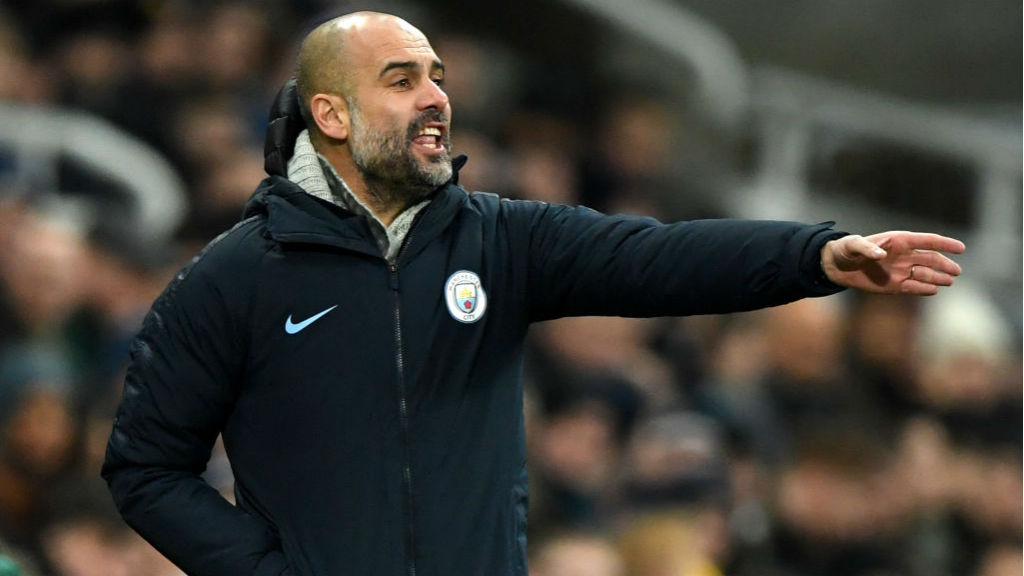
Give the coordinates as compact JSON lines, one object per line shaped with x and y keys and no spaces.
{"x":295,"y":217}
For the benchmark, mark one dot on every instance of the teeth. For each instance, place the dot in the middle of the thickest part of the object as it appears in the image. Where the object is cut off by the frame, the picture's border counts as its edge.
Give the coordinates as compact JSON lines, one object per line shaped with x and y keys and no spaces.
{"x":430,"y":131}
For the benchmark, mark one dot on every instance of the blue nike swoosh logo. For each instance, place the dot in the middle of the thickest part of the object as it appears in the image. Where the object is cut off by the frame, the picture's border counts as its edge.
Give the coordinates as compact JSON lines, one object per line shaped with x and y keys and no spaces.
{"x":293,"y":328}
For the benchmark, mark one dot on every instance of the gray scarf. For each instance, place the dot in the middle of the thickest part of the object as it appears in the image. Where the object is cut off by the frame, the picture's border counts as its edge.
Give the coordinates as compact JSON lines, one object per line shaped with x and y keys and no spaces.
{"x":314,"y":174}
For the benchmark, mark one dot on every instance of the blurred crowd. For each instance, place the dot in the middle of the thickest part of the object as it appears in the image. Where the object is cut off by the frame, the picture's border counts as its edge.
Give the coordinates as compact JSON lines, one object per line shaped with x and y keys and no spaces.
{"x":849,"y":436}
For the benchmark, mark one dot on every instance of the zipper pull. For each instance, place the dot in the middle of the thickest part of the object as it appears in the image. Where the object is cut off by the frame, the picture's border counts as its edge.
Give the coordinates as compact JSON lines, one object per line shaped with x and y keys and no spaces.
{"x":393,"y":267}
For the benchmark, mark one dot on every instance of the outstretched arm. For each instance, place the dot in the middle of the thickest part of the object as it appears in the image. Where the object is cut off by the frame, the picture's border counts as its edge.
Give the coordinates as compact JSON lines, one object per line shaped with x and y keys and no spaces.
{"x":892,"y":262}
{"x":580,"y":262}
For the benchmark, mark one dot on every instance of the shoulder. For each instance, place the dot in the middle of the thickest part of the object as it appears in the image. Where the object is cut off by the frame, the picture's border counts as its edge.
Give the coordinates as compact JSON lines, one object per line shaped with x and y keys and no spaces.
{"x":490,"y":204}
{"x":238,"y":247}
{"x":224,"y":266}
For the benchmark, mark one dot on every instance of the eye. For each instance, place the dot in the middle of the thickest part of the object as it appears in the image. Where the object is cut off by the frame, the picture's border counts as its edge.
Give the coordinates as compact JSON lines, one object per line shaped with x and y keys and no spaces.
{"x":439,"y":81}
{"x":402,"y":83}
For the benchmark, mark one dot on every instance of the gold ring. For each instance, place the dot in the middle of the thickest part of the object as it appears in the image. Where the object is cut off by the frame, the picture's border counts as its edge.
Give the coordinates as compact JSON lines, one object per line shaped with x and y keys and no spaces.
{"x":912,"y":272}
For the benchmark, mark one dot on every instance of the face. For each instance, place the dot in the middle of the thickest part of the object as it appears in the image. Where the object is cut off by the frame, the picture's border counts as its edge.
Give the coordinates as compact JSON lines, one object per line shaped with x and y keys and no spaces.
{"x":411,"y":154}
{"x":399,"y":115}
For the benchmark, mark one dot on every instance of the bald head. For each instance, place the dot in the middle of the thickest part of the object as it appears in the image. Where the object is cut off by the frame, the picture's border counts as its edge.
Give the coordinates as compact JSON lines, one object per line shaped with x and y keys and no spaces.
{"x":370,"y":87}
{"x":327,"y":57}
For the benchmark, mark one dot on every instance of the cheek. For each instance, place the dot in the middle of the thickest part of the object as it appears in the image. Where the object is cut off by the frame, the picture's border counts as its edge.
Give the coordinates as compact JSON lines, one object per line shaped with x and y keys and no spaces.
{"x":394,"y":124}
{"x":394,"y":114}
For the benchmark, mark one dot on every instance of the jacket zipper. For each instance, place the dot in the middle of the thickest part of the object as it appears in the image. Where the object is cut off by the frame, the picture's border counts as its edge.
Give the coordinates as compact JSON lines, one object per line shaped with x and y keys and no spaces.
{"x":403,"y":413}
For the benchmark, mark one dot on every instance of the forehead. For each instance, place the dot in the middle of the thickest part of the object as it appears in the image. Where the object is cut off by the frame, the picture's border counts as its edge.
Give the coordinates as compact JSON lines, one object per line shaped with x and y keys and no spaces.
{"x":380,"y":42}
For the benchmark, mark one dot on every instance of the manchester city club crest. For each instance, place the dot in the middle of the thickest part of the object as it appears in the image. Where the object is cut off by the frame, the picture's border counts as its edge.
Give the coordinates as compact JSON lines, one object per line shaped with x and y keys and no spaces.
{"x":465,"y":297}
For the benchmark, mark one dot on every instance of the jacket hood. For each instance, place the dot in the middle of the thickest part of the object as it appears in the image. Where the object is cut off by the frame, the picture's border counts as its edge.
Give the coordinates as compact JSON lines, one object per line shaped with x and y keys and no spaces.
{"x":284,"y":127}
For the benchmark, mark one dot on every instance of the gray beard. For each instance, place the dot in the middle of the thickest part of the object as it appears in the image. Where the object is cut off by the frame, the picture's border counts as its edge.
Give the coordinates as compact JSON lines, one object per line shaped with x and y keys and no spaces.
{"x":393,"y":175}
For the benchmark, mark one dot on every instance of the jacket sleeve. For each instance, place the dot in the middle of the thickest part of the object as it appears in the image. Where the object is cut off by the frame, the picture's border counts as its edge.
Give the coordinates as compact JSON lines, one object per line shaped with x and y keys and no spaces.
{"x":179,"y":389}
{"x":582,"y":262}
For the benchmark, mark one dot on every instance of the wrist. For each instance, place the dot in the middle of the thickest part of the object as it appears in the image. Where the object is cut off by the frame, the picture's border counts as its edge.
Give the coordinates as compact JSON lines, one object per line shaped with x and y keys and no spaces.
{"x":827,"y":264}
{"x":816,"y":257}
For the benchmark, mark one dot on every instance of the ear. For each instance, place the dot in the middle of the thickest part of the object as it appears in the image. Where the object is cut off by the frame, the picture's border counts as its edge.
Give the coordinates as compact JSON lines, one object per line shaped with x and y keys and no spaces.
{"x":330,"y":112}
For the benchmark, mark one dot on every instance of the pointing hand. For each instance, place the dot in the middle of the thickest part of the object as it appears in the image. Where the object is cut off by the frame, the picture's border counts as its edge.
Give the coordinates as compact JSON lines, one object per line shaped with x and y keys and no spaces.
{"x":892,"y":262}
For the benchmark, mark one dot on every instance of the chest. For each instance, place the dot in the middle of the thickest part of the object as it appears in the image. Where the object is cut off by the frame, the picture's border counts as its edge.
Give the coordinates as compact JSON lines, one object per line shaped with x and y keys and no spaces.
{"x":342,"y":323}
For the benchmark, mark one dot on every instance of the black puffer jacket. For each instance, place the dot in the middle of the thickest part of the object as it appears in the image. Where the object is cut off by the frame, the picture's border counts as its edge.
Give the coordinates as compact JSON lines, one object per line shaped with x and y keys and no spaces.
{"x":372,"y":411}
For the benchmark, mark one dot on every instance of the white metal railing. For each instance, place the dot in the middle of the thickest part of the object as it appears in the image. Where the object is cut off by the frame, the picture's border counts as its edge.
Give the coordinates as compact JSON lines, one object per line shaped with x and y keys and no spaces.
{"x":789,"y":108}
{"x":720,"y":73}
{"x":40,"y":136}
{"x":785,"y":111}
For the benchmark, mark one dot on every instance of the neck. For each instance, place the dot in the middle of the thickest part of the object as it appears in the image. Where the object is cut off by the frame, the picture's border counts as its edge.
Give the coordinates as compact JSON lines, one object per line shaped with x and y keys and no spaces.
{"x":389,"y":199}
{"x":385,"y":199}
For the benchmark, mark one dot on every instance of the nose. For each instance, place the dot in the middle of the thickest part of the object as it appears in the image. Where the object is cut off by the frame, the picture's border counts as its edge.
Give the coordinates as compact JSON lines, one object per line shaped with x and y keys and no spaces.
{"x":432,"y":96}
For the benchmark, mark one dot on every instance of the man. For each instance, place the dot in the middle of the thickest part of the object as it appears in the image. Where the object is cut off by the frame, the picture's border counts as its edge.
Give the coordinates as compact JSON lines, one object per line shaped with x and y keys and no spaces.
{"x":357,"y":339}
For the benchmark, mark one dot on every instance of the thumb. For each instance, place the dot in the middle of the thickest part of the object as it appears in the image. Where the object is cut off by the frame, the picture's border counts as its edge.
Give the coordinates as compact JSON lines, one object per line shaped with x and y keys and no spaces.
{"x":860,"y":246}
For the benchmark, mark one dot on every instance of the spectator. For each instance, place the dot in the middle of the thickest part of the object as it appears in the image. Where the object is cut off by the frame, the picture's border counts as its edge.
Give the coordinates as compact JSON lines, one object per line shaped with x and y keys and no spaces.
{"x":40,"y":266}
{"x":836,"y":515}
{"x":37,"y":438}
{"x":966,"y":375}
{"x":577,"y":450}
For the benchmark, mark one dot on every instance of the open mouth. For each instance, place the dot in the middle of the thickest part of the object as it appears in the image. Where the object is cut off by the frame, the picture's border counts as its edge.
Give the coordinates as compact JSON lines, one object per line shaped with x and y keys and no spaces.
{"x":430,"y":138}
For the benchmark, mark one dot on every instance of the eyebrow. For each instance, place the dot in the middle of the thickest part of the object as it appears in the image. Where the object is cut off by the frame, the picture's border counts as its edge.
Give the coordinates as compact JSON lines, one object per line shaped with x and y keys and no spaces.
{"x":409,"y":65}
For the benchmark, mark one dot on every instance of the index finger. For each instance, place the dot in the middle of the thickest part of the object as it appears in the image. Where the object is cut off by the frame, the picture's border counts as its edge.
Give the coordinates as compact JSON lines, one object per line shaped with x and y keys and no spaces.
{"x":929,"y":241}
